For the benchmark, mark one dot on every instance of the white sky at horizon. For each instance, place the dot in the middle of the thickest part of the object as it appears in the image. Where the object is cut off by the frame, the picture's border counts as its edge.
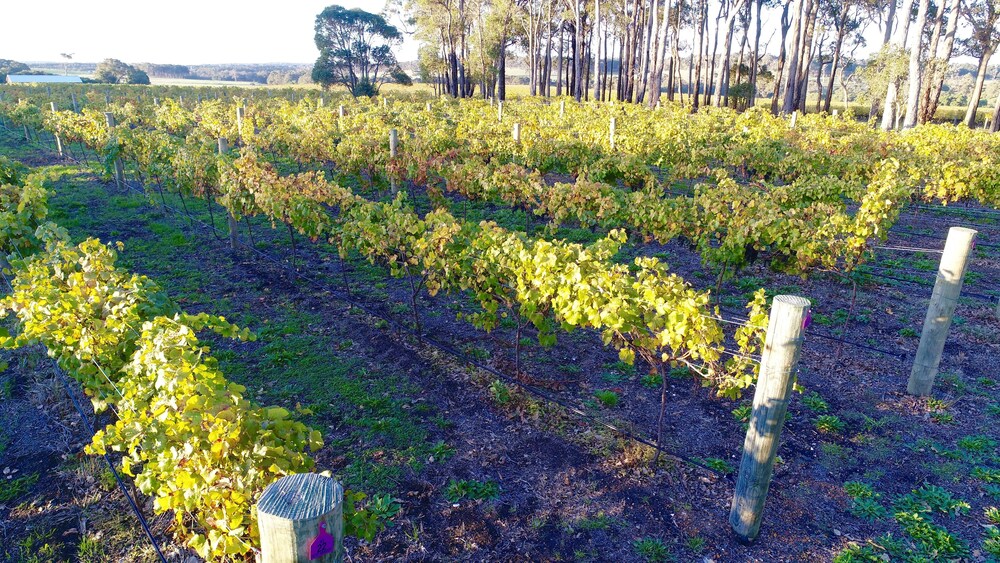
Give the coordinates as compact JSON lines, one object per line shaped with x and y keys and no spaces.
{"x":185,"y":32}
{"x":194,"y":32}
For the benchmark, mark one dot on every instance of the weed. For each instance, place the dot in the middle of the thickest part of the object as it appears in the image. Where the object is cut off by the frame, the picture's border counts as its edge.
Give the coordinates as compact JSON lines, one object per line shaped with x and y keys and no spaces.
{"x":742,"y":415}
{"x":987,"y":475}
{"x":600,"y":521}
{"x":943,"y":417}
{"x":992,"y":514}
{"x":931,"y":498}
{"x":696,"y":544}
{"x":17,"y":487}
{"x":933,"y":540}
{"x":991,"y":544}
{"x":814,"y":402}
{"x":500,"y":392}
{"x":993,"y":409}
{"x":457,"y":490}
{"x":91,"y":550}
{"x":652,"y":380}
{"x":441,"y":451}
{"x":908,"y":332}
{"x":977,"y":444}
{"x":868,"y":509}
{"x":829,"y":424}
{"x":855,"y":553}
{"x":857,"y":489}
{"x":39,"y":546}
{"x":720,"y":465}
{"x":607,"y":398}
{"x":652,"y":550}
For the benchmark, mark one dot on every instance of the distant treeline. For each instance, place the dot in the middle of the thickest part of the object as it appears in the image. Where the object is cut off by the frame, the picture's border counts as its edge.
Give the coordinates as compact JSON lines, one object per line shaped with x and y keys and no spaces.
{"x":274,"y":73}
{"x":260,"y":73}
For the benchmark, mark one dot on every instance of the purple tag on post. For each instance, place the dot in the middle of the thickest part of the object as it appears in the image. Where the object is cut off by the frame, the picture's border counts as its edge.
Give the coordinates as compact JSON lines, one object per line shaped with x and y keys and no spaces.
{"x":322,"y":544}
{"x":808,"y":320}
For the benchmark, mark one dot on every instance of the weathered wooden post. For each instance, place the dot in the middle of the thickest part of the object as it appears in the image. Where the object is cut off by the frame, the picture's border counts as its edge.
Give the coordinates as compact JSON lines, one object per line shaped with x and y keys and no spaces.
{"x":234,"y":233}
{"x":119,"y":170}
{"x":428,"y":107}
{"x":517,"y":133}
{"x":320,"y":102}
{"x":500,"y":111}
{"x":770,"y":402}
{"x":156,"y":102}
{"x":393,"y":153}
{"x":301,"y":519}
{"x":835,"y":113}
{"x":48,"y":90}
{"x":107,"y":98}
{"x":562,"y":108}
{"x":385,"y":102}
{"x":795,"y":116}
{"x":76,"y":107}
{"x":240,"y":112}
{"x":947,"y":287}
{"x":59,"y":146}
{"x":611,"y":133}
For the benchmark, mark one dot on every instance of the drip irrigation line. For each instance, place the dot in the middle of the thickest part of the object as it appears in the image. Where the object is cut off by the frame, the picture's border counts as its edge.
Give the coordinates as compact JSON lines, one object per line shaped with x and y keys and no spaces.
{"x":972,"y":294}
{"x":913,"y":234}
{"x":904,"y":280}
{"x":339,"y":295}
{"x":908,"y":249}
{"x":958,"y":210}
{"x":107,"y":458}
{"x":899,"y":355}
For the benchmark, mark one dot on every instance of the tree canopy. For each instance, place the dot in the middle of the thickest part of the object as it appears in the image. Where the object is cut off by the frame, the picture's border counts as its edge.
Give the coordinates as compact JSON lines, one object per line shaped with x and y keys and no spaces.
{"x":355,"y":50}
{"x":8,"y":66}
{"x":114,"y":71}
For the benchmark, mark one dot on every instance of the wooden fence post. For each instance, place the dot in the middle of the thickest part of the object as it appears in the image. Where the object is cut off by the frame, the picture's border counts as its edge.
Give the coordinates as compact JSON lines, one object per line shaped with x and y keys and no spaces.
{"x":611,"y":133}
{"x":500,"y":111}
{"x":947,"y":287}
{"x":393,"y":153}
{"x":517,"y":133}
{"x":59,"y":146}
{"x":562,"y":108}
{"x":119,"y":169}
{"x":770,"y":402}
{"x":795,"y":116}
{"x":234,"y":233}
{"x":240,"y":111}
{"x":301,"y":519}
{"x":76,"y":107}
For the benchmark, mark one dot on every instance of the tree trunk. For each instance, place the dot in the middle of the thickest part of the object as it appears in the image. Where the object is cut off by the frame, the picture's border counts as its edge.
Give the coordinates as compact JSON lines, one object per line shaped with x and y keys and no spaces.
{"x":913,"y":94}
{"x":755,"y":62}
{"x":597,"y":50}
{"x":791,"y":84}
{"x":889,"y":106}
{"x":727,"y":49}
{"x":941,"y":63}
{"x":786,"y":26}
{"x":887,"y":35}
{"x":841,"y":34}
{"x":977,"y":91}
{"x":657,"y":79}
{"x":812,"y":8}
{"x":995,"y":122}
{"x":696,"y":84}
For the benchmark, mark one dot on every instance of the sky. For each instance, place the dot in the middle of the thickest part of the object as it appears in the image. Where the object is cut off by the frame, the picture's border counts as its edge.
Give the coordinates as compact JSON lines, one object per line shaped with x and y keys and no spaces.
{"x":174,"y":31}
{"x":197,"y":31}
